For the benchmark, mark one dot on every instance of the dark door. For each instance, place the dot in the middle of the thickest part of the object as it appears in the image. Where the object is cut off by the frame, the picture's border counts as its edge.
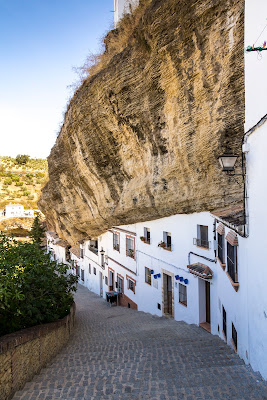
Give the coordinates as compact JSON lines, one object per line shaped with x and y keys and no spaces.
{"x":207,"y":284}
{"x":167,"y":282}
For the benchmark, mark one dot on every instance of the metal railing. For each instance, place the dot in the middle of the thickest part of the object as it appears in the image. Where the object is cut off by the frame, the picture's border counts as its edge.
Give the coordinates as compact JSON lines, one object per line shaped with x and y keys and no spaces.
{"x":201,"y":243}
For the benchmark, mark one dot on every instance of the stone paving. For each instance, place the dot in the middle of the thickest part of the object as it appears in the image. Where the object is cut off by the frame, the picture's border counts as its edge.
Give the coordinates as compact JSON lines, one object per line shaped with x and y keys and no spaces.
{"x":119,"y":353}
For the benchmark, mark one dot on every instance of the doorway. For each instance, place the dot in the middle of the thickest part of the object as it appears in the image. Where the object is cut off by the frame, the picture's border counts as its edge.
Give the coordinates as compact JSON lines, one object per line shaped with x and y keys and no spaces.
{"x":204,"y":304}
{"x":101,"y":283}
{"x":167,"y":295}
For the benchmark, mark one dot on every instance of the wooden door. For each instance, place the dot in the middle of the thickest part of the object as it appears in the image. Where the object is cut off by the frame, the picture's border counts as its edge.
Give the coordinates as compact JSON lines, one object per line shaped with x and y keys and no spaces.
{"x":167,"y":294}
{"x":207,"y":286}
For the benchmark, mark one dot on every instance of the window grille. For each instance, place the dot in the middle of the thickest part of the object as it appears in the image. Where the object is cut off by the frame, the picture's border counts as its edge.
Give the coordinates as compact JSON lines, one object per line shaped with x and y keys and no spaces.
{"x":130,"y":247}
{"x":232,"y":262}
{"x":120,"y":285}
{"x":234,"y":335}
{"x":116,"y":241}
{"x":182,"y":294}
{"x":147,"y":276}
{"x":221,"y":248}
{"x":130,"y":285}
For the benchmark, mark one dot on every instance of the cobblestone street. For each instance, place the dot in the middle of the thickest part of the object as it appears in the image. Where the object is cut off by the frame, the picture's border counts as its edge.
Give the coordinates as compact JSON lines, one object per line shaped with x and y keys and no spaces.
{"x":119,"y":353}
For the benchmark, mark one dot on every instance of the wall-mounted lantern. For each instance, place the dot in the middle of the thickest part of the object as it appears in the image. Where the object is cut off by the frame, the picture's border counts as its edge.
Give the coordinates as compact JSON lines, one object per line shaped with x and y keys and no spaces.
{"x":227,"y":161}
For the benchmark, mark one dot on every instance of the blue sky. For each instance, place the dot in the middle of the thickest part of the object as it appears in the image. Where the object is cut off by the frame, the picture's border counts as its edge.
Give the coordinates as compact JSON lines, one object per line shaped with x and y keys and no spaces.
{"x":40,"y":43}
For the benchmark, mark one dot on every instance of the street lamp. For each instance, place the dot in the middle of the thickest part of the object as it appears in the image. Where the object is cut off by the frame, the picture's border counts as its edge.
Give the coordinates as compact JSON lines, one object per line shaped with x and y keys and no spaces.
{"x":227,"y":161}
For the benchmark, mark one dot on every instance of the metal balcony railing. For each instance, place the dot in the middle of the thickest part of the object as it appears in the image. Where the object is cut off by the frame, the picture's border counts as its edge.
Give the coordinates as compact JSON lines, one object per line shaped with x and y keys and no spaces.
{"x":201,"y":243}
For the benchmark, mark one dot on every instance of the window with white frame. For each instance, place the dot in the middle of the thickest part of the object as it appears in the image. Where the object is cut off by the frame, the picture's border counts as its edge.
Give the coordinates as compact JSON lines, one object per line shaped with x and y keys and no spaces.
{"x":147,"y":275}
{"x":116,"y":241}
{"x":167,"y":240}
{"x":130,"y":246}
{"x":147,"y":235}
{"x":182,"y":294}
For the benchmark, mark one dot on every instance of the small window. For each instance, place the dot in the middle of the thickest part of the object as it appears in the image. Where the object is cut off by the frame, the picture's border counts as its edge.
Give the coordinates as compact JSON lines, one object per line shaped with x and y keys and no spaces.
{"x":129,"y":247}
{"x":81,"y":253}
{"x":90,"y":269}
{"x":167,"y":240}
{"x":147,"y":276}
{"x":94,"y":271}
{"x":183,"y":294}
{"x":221,"y":248}
{"x":147,"y":235}
{"x":159,"y":306}
{"x":120,"y":284}
{"x":232,"y":262}
{"x":234,"y":336}
{"x":116,"y":241}
{"x":131,"y":285}
{"x":106,"y":280}
{"x":202,"y":236}
{"x":82,"y":275}
{"x":93,"y":246}
{"x":224,"y":322}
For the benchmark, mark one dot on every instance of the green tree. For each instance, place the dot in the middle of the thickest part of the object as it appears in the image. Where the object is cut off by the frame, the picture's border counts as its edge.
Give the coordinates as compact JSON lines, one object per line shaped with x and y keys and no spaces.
{"x":34,"y":289}
{"x":37,"y":231}
{"x":22,"y":159}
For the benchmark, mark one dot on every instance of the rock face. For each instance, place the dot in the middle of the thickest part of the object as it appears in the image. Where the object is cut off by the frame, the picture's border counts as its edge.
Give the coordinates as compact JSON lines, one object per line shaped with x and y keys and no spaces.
{"x":142,"y":136}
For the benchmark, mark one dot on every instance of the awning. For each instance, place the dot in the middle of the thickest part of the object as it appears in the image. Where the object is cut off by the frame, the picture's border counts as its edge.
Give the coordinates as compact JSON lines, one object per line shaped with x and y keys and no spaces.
{"x":200,"y":270}
{"x":232,"y":238}
{"x":220,"y":229}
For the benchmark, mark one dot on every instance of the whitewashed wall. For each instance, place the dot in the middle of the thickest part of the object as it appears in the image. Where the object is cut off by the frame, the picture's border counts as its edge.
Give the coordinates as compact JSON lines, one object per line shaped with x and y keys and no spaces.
{"x":255,"y":65}
{"x":256,"y":248}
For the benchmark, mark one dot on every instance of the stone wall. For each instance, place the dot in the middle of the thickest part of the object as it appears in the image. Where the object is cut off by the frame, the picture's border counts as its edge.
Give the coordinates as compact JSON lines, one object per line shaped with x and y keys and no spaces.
{"x":24,"y":353}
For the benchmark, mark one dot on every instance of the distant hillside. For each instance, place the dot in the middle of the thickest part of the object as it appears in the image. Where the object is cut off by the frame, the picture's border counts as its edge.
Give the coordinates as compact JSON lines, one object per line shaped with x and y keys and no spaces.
{"x":22,"y":183}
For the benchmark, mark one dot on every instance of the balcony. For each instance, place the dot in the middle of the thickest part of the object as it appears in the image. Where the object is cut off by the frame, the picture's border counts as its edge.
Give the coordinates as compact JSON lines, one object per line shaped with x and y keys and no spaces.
{"x":93,"y":249}
{"x":201,"y":243}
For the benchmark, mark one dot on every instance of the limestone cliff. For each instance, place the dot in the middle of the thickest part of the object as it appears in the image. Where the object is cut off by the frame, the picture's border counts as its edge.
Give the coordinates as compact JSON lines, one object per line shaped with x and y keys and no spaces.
{"x":141,"y":136}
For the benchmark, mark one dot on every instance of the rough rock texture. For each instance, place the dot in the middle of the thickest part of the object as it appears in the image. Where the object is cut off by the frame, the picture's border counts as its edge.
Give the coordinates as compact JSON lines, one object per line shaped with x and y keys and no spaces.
{"x":141,"y":138}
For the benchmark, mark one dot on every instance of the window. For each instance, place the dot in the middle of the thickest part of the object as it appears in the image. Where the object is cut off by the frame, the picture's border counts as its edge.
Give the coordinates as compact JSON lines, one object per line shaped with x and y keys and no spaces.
{"x":130,"y":285}
{"x":82,"y":275}
{"x":102,"y":259}
{"x":202,"y":239}
{"x":234,"y":336}
{"x":232,"y":262}
{"x":120,"y":284}
{"x":224,"y":322}
{"x":183,"y":294}
{"x":106,"y":280}
{"x":116,"y":241}
{"x":81,"y":253}
{"x":93,"y":246}
{"x":147,"y":235}
{"x":111,"y":279}
{"x":167,"y":241}
{"x":90,"y":269}
{"x":94,"y":271}
{"x":147,"y":276}
{"x":130,"y":246}
{"x":221,"y":248}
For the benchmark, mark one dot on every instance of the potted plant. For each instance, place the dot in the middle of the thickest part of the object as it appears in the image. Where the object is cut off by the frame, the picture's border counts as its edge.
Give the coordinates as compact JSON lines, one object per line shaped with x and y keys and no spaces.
{"x":142,"y":238}
{"x":131,"y":253}
{"x":162,"y":244}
